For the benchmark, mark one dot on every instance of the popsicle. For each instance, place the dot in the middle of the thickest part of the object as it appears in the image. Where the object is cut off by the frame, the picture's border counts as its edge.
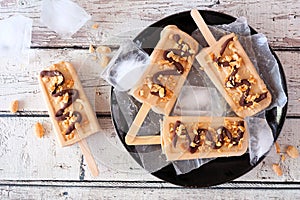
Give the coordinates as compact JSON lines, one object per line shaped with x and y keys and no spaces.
{"x":70,"y":111}
{"x":159,"y":87}
{"x":190,"y":137}
{"x":230,"y":69}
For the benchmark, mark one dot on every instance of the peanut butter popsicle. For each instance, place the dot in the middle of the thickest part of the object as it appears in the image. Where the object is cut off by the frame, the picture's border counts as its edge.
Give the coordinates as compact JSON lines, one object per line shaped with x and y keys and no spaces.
{"x":190,"y":137}
{"x":159,"y":87}
{"x":230,"y":69}
{"x":70,"y":111}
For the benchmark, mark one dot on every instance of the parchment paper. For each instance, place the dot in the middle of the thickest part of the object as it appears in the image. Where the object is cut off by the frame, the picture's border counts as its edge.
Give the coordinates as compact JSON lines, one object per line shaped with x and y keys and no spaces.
{"x":261,"y":137}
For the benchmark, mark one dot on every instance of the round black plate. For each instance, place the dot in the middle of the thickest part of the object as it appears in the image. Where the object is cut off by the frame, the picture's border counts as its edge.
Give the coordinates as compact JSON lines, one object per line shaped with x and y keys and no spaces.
{"x":220,"y":170}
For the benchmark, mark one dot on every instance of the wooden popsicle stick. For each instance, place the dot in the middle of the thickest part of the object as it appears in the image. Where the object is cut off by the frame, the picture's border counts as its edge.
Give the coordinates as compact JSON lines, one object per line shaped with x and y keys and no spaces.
{"x":137,"y":123}
{"x":92,"y":165}
{"x":210,"y":39}
{"x":146,"y":140}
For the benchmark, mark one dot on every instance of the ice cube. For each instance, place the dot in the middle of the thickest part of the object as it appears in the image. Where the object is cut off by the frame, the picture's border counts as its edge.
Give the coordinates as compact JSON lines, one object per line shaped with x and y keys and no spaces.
{"x":63,"y":16}
{"x":15,"y":36}
{"x":126,"y":66}
{"x":199,"y":101}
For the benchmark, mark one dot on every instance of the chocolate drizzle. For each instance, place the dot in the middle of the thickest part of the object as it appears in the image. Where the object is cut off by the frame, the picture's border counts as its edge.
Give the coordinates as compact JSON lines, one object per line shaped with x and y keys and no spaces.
{"x":232,"y":81}
{"x":73,"y":94}
{"x":200,"y":139}
{"x":178,"y":65}
{"x":54,"y":73}
{"x":173,"y":56}
{"x":225,"y":44}
{"x":170,"y":72}
{"x":204,"y":137}
{"x":179,"y":133}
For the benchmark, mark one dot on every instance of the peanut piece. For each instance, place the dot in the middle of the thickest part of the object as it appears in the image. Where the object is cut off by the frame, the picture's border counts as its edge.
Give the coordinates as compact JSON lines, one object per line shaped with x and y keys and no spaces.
{"x":104,"y":61}
{"x":95,"y":26}
{"x":14,"y":106}
{"x":277,"y":147}
{"x":103,"y":49}
{"x":292,"y":151}
{"x":39,"y":130}
{"x":277,"y":169}
{"x":282,"y":157}
{"x":91,"y":49}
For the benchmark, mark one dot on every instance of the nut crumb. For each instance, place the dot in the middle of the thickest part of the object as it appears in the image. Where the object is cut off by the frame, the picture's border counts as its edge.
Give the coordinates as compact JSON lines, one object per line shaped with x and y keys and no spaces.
{"x":282,"y":157}
{"x":277,"y":147}
{"x":103,"y":49}
{"x":277,"y":169}
{"x":104,"y":61}
{"x":292,"y":151}
{"x":95,"y":26}
{"x":14,"y":106}
{"x":91,"y":49}
{"x":39,"y":130}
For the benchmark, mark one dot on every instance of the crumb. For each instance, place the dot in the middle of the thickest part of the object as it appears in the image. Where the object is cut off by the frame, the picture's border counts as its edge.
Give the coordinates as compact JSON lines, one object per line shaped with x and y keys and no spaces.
{"x":292,"y":151}
{"x":91,"y":49}
{"x":282,"y":158}
{"x":14,"y":106}
{"x":103,"y":49}
{"x":277,"y":169}
{"x":39,"y":130}
{"x":95,"y":26}
{"x":94,"y":58}
{"x":277,"y":147}
{"x":104,"y":61}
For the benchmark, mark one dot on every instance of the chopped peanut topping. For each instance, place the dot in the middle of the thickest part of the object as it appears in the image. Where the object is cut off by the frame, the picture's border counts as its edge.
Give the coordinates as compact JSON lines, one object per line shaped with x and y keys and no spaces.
{"x":39,"y":130}
{"x":277,"y":169}
{"x":292,"y":151}
{"x":14,"y":106}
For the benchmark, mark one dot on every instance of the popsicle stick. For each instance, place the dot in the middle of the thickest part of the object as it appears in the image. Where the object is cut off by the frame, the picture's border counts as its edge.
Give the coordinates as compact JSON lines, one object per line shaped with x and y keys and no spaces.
{"x":137,"y":123}
{"x":88,"y":157}
{"x":210,"y":39}
{"x":146,"y":140}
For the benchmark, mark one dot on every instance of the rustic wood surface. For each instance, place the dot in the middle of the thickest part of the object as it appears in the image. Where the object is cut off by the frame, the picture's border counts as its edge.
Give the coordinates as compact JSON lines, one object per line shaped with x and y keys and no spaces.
{"x":34,"y":168}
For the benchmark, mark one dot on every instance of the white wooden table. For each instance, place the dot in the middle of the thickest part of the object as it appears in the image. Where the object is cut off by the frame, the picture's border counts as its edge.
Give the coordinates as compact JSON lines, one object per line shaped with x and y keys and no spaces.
{"x":33,"y":168}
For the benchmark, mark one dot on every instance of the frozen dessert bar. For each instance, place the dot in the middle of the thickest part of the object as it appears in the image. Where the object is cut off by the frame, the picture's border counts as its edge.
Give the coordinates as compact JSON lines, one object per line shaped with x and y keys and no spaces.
{"x":159,"y":87}
{"x":170,"y":64}
{"x":190,"y":137}
{"x":69,"y":109}
{"x":232,"y":72}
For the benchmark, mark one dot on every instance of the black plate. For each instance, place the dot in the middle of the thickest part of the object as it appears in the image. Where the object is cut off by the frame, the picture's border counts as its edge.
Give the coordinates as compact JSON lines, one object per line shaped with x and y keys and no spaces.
{"x":220,"y":170}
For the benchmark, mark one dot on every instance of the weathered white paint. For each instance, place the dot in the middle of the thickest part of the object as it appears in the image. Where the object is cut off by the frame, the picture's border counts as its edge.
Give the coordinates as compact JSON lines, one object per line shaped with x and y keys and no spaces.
{"x":116,"y":192}
{"x":279,"y":20}
{"x":33,"y":168}
{"x":23,"y":84}
{"x":23,"y":156}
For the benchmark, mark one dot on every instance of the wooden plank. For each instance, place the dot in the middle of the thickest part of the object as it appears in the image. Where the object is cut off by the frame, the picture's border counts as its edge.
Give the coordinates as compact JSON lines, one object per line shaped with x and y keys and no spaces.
{"x":71,"y":192}
{"x":21,"y":79}
{"x":31,"y":158}
{"x":24,"y":156}
{"x":23,"y":85}
{"x":289,"y":61}
{"x":125,"y":19}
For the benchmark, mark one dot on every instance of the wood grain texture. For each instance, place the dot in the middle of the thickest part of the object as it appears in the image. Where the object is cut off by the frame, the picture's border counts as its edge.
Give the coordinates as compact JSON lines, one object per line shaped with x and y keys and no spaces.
{"x":23,"y":84}
{"x":117,"y":192}
{"x":37,"y":168}
{"x":31,"y":158}
{"x":277,"y":20}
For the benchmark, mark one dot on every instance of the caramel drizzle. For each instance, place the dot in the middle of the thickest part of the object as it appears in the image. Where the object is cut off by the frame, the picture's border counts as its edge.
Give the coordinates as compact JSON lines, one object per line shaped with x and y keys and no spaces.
{"x":73,"y":94}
